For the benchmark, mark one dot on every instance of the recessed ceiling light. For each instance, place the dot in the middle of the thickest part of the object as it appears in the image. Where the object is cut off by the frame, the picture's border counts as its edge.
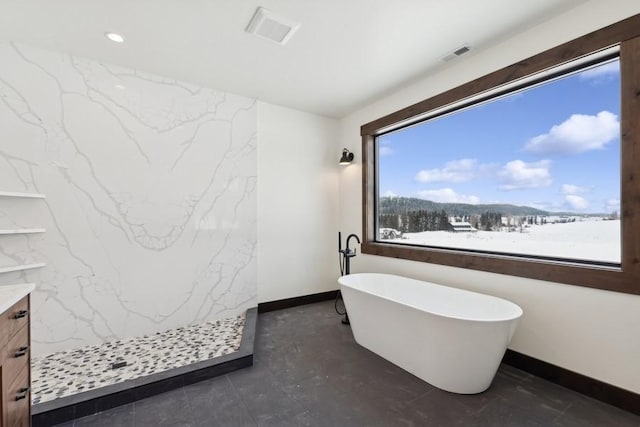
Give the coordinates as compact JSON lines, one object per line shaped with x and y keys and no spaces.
{"x":114,"y":37}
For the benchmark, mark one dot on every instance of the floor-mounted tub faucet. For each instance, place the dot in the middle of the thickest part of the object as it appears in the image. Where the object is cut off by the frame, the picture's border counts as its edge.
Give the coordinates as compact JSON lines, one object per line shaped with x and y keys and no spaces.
{"x":345,"y":266}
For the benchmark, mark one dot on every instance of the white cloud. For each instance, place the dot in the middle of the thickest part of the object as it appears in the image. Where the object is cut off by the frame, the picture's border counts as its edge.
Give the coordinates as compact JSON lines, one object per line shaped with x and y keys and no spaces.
{"x":517,"y":175}
{"x":385,"y":150}
{"x":389,"y":193}
{"x":607,"y":70}
{"x":447,"y":195}
{"x":454,"y":171}
{"x":572,"y":189}
{"x":576,"y":202}
{"x":577,"y":134}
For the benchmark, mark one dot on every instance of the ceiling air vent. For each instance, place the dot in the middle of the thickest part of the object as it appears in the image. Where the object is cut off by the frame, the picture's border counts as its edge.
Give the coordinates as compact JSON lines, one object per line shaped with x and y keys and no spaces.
{"x":457,"y":52}
{"x":271,"y":26}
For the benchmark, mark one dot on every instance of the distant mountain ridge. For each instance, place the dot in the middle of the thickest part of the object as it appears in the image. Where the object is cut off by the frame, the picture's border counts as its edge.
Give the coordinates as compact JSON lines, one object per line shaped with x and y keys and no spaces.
{"x":402,"y":205}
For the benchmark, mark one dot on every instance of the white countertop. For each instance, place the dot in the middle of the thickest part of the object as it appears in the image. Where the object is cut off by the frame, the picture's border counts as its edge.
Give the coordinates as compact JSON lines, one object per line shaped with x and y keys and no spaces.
{"x":11,"y":294}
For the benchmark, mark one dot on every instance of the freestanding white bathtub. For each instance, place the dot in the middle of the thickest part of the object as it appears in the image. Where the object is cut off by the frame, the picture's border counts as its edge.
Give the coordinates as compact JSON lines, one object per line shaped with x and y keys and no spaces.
{"x":451,"y":338}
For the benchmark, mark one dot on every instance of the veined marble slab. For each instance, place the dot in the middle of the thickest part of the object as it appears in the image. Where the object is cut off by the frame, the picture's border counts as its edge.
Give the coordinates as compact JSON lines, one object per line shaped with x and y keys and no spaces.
{"x":150,"y":205}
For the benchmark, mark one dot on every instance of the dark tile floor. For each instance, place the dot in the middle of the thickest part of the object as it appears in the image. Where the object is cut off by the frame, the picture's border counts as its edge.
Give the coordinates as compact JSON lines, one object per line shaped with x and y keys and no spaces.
{"x":308,"y":371}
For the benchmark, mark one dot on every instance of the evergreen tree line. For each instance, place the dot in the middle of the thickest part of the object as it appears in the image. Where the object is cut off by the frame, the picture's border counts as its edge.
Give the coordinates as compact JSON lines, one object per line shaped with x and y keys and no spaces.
{"x":415,"y":221}
{"x":425,"y":220}
{"x":538,"y":220}
{"x":490,"y":221}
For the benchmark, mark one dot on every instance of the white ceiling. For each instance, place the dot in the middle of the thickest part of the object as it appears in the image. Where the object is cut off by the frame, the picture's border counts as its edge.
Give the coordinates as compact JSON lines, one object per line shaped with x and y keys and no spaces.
{"x":345,"y":54}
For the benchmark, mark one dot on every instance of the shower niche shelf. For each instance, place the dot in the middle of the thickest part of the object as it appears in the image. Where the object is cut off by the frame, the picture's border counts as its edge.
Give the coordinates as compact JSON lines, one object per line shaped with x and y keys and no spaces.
{"x":22,"y":267}
{"x":22,"y":231}
{"x":22,"y":195}
{"x":17,"y":231}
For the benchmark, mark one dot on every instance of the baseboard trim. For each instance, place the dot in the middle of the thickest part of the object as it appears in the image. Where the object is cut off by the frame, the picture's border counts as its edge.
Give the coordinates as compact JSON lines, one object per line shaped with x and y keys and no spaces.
{"x":615,"y":396}
{"x":264,"y":307}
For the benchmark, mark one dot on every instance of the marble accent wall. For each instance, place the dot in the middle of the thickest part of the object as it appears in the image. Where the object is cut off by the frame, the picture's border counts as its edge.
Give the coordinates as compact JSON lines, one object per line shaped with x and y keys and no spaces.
{"x":151,"y":197}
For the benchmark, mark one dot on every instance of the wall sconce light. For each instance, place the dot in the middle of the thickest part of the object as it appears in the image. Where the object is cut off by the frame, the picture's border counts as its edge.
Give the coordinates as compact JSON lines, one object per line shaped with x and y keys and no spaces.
{"x":347,"y":157}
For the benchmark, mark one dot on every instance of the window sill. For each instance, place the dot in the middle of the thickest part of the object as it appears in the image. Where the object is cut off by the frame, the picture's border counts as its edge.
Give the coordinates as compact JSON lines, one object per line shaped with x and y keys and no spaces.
{"x":573,"y":273}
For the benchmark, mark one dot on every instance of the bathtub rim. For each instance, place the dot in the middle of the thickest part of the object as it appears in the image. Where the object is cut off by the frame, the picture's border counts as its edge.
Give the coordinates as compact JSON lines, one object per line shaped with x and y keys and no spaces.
{"x":443,"y":315}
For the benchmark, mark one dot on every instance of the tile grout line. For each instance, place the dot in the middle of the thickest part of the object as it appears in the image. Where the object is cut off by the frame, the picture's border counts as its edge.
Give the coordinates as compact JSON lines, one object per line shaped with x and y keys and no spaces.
{"x":414,"y":399}
{"x":564,"y":411}
{"x":235,"y":390}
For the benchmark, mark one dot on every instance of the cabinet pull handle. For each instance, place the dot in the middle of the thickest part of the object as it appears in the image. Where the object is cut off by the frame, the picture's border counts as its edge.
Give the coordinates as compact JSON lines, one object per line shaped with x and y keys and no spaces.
{"x":21,"y":314}
{"x":22,"y":393}
{"x":22,"y":351}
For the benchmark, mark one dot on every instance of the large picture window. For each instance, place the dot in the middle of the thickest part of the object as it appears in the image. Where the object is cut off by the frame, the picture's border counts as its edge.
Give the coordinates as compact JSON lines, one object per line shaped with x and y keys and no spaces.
{"x":533,"y":173}
{"x":533,"y":170}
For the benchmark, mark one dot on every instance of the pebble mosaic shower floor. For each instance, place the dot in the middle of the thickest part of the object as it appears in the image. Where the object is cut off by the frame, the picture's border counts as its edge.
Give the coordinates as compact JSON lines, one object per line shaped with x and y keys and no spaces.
{"x":70,"y":372}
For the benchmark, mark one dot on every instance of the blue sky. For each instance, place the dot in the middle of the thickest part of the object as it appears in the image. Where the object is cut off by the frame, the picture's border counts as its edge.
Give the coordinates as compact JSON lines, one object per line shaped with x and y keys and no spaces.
{"x":555,"y":147}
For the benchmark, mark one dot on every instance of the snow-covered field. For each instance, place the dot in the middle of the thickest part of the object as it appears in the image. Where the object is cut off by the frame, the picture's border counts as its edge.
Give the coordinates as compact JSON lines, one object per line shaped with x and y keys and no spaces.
{"x":587,"y":239}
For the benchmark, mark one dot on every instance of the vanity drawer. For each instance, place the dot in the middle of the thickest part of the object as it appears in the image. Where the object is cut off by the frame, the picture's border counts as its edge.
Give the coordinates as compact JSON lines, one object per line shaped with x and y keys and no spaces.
{"x":17,"y":400}
{"x":16,"y":354}
{"x":14,"y":319}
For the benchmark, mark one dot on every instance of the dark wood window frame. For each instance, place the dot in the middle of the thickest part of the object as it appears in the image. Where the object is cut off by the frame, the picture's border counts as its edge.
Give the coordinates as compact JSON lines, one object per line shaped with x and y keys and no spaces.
{"x":626,"y":35}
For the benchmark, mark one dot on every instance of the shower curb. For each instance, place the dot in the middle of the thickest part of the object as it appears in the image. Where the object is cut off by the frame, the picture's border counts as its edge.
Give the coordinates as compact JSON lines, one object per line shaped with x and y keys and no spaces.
{"x":97,"y":400}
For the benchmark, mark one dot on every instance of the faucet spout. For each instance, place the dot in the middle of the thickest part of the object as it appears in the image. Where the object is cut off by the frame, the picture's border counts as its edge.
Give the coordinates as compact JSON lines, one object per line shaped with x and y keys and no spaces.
{"x":349,"y":238}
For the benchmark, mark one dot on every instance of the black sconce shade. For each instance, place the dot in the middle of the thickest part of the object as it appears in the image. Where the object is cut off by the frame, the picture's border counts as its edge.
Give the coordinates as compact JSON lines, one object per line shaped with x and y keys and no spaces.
{"x":347,"y":157}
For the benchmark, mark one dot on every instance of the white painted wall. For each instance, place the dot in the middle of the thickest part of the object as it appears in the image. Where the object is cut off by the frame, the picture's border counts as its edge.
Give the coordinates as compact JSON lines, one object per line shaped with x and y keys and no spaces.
{"x":588,"y":331}
{"x":297,"y":203}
